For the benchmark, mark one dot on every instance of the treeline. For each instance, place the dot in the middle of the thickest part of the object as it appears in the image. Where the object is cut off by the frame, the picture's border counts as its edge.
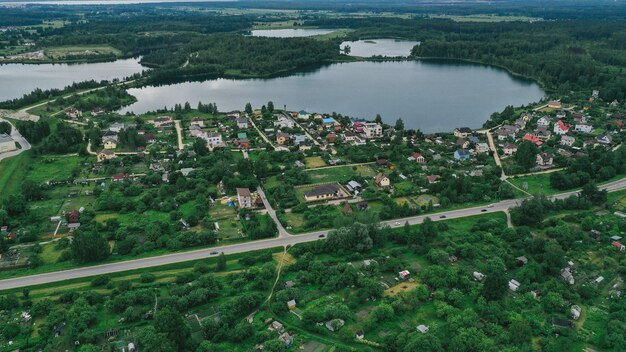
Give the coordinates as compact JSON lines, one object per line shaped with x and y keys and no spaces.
{"x":240,"y":55}
{"x":65,"y":139}
{"x":38,"y":94}
{"x":34,"y":132}
{"x":599,"y":165}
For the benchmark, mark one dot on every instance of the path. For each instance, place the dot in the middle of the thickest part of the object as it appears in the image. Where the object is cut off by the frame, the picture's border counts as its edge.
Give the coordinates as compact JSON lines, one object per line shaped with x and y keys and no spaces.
{"x":282,"y":233}
{"x":15,"y":134}
{"x":496,"y":156}
{"x":278,"y":270}
{"x":179,"y":133}
{"x":334,"y":166}
{"x":260,"y":133}
{"x":281,"y":241}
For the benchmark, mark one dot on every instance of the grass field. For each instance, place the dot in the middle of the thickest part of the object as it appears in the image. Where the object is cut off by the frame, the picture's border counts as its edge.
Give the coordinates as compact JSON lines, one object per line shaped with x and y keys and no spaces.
{"x":313,"y":162}
{"x":54,"y":168}
{"x":12,"y":172}
{"x":69,"y":51}
{"x":537,"y":184}
{"x":340,"y":174}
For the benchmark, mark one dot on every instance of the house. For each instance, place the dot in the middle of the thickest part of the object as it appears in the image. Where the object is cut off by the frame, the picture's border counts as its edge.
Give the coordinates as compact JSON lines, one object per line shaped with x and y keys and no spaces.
{"x":478,"y":276}
{"x":349,"y":136}
{"x":521,"y":122}
{"x":510,"y":149}
{"x":422,"y":328}
{"x":620,"y":247}
{"x":277,"y":326}
{"x":462,"y":154}
{"x":462,"y":143}
{"x":321,"y":192}
{"x":354,"y":186}
{"x":335,"y":324}
{"x":7,"y":143}
{"x":110,"y":143}
{"x":74,"y":113}
{"x":332,"y":138}
{"x":575,"y":312}
{"x":560,"y":128}
{"x":404,"y":275}
{"x":554,"y":104}
{"x":362,"y":205}
{"x":284,"y":122}
{"x":196,"y":121}
{"x":109,"y":135}
{"x":543,"y":121}
{"x":97,"y":112}
{"x":162,"y":121}
{"x":286,"y":339}
{"x":360,"y":335}
{"x":120,"y":177}
{"x":505,"y":132}
{"x":381,"y":180}
{"x":562,"y":323}
{"x":567,"y":275}
{"x":329,"y":122}
{"x":105,"y":154}
{"x":244,"y":198}
{"x":282,"y":138}
{"x":432,"y":178}
{"x":213,"y":139}
{"x":533,"y":139}
{"x":358,"y":126}
{"x":291,"y":304}
{"x":583,"y":127}
{"x":579,"y":118}
{"x":603,"y":139}
{"x":544,"y":159}
{"x":482,"y":147}
{"x":381,"y":162}
{"x":542,"y":132}
{"x":73,"y":217}
{"x":303,"y":115}
{"x":595,"y":234}
{"x":116,"y":127}
{"x":418,"y":158}
{"x":301,"y":140}
{"x":522,"y":260}
{"x":462,"y":132}
{"x":243,"y":143}
{"x":476,"y":173}
{"x":372,"y":130}
{"x":568,"y":141}
{"x":242,"y":123}
{"x":598,"y":280}
{"x":150,"y":138}
{"x":514,"y":285}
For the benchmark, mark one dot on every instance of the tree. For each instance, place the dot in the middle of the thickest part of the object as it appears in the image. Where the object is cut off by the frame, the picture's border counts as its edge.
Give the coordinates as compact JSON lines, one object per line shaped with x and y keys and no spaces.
{"x":169,"y":322}
{"x":200,"y":147}
{"x":248,"y":108}
{"x":270,"y":106}
{"x":221,"y":262}
{"x":5,"y":128}
{"x":399,"y":125}
{"x":526,"y":155}
{"x":496,"y":282}
{"x":89,"y":246}
{"x":378,"y":119}
{"x":148,"y":339}
{"x":593,"y":194}
{"x":423,"y":343}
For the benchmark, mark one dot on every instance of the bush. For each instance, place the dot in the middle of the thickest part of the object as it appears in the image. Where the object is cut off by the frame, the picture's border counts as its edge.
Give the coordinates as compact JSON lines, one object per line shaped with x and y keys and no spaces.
{"x":100,"y":280}
{"x":147,"y":278}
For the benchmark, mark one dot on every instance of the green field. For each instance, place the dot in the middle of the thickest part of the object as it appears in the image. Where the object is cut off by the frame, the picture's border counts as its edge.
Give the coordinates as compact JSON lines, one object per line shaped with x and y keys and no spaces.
{"x":12,"y":172}
{"x":340,"y":174}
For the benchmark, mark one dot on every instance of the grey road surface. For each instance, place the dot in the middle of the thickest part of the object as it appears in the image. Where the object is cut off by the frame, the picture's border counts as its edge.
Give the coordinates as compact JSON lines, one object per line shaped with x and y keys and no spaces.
{"x":15,"y":134}
{"x":257,"y":245}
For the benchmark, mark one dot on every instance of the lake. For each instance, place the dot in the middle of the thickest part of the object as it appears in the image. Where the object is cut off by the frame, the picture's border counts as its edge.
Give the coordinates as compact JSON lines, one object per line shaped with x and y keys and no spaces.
{"x":290,"y":32}
{"x":380,"y":47}
{"x":429,"y":95}
{"x":20,"y":79}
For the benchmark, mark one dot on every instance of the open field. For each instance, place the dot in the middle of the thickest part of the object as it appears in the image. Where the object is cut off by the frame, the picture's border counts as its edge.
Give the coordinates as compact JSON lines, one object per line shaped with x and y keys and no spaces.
{"x":313,"y":162}
{"x":64,"y":52}
{"x":340,"y":174}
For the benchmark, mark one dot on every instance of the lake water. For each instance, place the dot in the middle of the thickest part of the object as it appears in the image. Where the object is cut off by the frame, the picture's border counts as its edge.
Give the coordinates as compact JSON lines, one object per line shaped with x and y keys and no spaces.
{"x":432,"y":96}
{"x":19,"y":79}
{"x":380,"y":47}
{"x":290,"y":32}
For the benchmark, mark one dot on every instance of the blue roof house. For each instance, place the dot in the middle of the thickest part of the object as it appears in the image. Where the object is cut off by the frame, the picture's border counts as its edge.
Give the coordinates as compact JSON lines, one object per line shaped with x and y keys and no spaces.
{"x":462,"y":154}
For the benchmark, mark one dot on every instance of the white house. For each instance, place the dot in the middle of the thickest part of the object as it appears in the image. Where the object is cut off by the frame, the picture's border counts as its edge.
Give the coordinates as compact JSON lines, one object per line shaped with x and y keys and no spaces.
{"x":560,"y":128}
{"x":513,"y":285}
{"x":543,"y":121}
{"x":372,"y":130}
{"x":510,"y":149}
{"x":244,"y":198}
{"x":242,"y":123}
{"x":583,"y":127}
{"x":462,"y":132}
{"x":568,"y":140}
{"x":544,"y":159}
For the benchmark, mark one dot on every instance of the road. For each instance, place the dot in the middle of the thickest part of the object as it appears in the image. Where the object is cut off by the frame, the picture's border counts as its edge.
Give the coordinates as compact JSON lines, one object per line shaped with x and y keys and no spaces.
{"x":179,"y":134}
{"x":281,"y":241}
{"x":15,"y":134}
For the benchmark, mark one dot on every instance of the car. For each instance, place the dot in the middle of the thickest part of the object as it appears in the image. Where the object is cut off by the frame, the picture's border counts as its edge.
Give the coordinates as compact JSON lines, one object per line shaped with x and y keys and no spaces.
{"x":490,"y":206}
{"x":213,"y":253}
{"x":321,"y":236}
{"x":397,"y":223}
{"x":442,"y":217}
{"x":483,"y":210}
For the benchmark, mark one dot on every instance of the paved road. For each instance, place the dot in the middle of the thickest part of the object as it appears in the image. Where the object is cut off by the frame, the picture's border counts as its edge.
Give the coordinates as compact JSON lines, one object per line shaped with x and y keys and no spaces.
{"x":257,"y":245}
{"x":15,"y":134}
